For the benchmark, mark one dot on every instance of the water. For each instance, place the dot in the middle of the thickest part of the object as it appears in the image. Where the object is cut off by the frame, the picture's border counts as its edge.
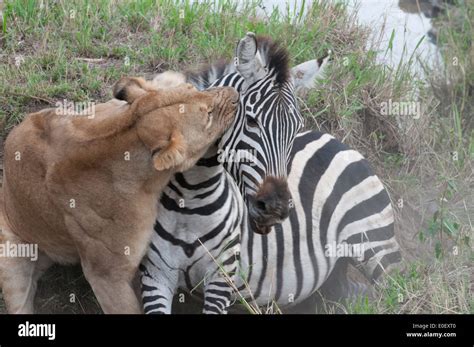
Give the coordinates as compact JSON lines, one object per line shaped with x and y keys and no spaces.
{"x":408,"y":22}
{"x":411,"y":29}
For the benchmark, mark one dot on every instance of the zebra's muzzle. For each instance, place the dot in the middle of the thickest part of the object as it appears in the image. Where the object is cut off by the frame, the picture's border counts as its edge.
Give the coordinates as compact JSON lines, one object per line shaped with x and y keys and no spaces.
{"x":270,"y":205}
{"x":258,"y":228}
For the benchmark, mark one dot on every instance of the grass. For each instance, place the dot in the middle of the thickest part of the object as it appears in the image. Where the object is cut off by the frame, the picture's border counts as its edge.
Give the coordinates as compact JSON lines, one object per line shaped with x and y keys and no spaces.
{"x":432,"y":177}
{"x":76,"y":50}
{"x":440,"y":287}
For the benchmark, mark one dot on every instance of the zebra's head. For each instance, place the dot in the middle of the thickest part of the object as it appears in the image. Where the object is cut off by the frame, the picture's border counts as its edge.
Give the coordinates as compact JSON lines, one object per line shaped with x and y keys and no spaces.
{"x":256,"y":149}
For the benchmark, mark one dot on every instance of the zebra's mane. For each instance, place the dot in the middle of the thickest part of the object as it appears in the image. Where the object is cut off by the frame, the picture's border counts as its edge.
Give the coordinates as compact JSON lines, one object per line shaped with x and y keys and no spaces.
{"x":273,"y":55}
{"x":206,"y":75}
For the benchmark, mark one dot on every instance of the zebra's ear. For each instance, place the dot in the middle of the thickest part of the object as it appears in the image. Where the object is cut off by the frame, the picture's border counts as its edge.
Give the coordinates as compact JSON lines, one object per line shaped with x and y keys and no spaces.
{"x":247,"y":60}
{"x":305,"y":75}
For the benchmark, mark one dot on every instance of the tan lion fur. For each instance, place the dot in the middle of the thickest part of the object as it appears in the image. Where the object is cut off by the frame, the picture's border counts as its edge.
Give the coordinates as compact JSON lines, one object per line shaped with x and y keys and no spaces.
{"x":84,"y":188}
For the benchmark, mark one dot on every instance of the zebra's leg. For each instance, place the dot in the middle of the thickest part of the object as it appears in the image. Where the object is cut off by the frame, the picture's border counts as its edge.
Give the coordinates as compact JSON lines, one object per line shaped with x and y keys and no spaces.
{"x":339,"y":287}
{"x":217,"y":296}
{"x":379,"y":259}
{"x":157,"y":289}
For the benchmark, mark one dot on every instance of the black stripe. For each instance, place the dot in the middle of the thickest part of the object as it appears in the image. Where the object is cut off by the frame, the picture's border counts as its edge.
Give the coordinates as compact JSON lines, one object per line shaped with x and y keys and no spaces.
{"x":154,"y":307}
{"x":220,"y":284}
{"x":146,"y":288}
{"x":264,"y":260}
{"x":351,"y":176}
{"x":179,"y":177}
{"x":229,"y":260}
{"x":175,"y":189}
{"x":265,"y":99}
{"x":378,"y":234}
{"x":190,"y":248}
{"x":187,"y":278}
{"x":301,"y":141}
{"x":222,"y":293}
{"x":314,"y":169}
{"x":226,"y":81}
{"x":370,"y":252}
{"x":154,"y":249}
{"x":206,"y":194}
{"x":152,"y":298}
{"x":366,"y":208}
{"x":280,"y":255}
{"x":295,"y":232}
{"x":206,"y":210}
{"x":211,"y":308}
{"x":219,"y":302}
{"x":248,"y":176}
{"x":143,"y":268}
{"x":250,"y":236}
{"x":208,"y":162}
{"x":232,"y":243}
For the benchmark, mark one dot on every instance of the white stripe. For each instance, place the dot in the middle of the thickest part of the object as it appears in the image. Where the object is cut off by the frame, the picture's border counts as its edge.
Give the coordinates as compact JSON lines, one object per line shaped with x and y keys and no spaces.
{"x":296,"y":171}
{"x":375,"y":221}
{"x":324,"y":188}
{"x":357,"y":194}
{"x":375,"y":260}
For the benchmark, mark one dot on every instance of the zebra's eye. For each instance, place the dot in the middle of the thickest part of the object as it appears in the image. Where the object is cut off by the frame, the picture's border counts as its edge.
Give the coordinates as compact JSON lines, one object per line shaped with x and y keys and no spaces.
{"x":252,"y":122}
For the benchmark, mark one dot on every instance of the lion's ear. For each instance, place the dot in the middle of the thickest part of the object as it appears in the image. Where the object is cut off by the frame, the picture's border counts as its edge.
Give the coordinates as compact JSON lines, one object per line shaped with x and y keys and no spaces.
{"x":172,"y":154}
{"x":131,"y":88}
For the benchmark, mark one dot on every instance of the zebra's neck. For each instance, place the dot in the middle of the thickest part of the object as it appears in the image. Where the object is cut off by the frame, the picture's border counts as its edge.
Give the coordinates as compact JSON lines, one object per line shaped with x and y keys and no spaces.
{"x":205,"y":180}
{"x":208,"y":167}
{"x":205,"y":77}
{"x":199,"y":184}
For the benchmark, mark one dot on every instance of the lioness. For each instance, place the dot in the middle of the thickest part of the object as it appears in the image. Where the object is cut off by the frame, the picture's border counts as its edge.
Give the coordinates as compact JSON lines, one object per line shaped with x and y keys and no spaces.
{"x":85,"y":188}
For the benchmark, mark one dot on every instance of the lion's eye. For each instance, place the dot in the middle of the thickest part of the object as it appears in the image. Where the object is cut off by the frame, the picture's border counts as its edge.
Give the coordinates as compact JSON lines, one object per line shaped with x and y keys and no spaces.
{"x":156,"y":150}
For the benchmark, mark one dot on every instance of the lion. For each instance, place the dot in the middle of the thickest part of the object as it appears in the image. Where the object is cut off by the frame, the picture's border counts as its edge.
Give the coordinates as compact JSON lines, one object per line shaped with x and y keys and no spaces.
{"x":85,"y":188}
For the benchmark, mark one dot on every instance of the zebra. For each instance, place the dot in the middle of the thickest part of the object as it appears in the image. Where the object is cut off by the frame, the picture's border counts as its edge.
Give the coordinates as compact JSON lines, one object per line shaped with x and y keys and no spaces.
{"x":222,"y":217}
{"x":193,"y":242}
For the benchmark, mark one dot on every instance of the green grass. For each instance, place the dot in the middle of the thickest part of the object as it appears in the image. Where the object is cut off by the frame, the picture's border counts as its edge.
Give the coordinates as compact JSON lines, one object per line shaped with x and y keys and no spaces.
{"x":440,"y":287}
{"x":76,"y":50}
{"x":152,"y":36}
